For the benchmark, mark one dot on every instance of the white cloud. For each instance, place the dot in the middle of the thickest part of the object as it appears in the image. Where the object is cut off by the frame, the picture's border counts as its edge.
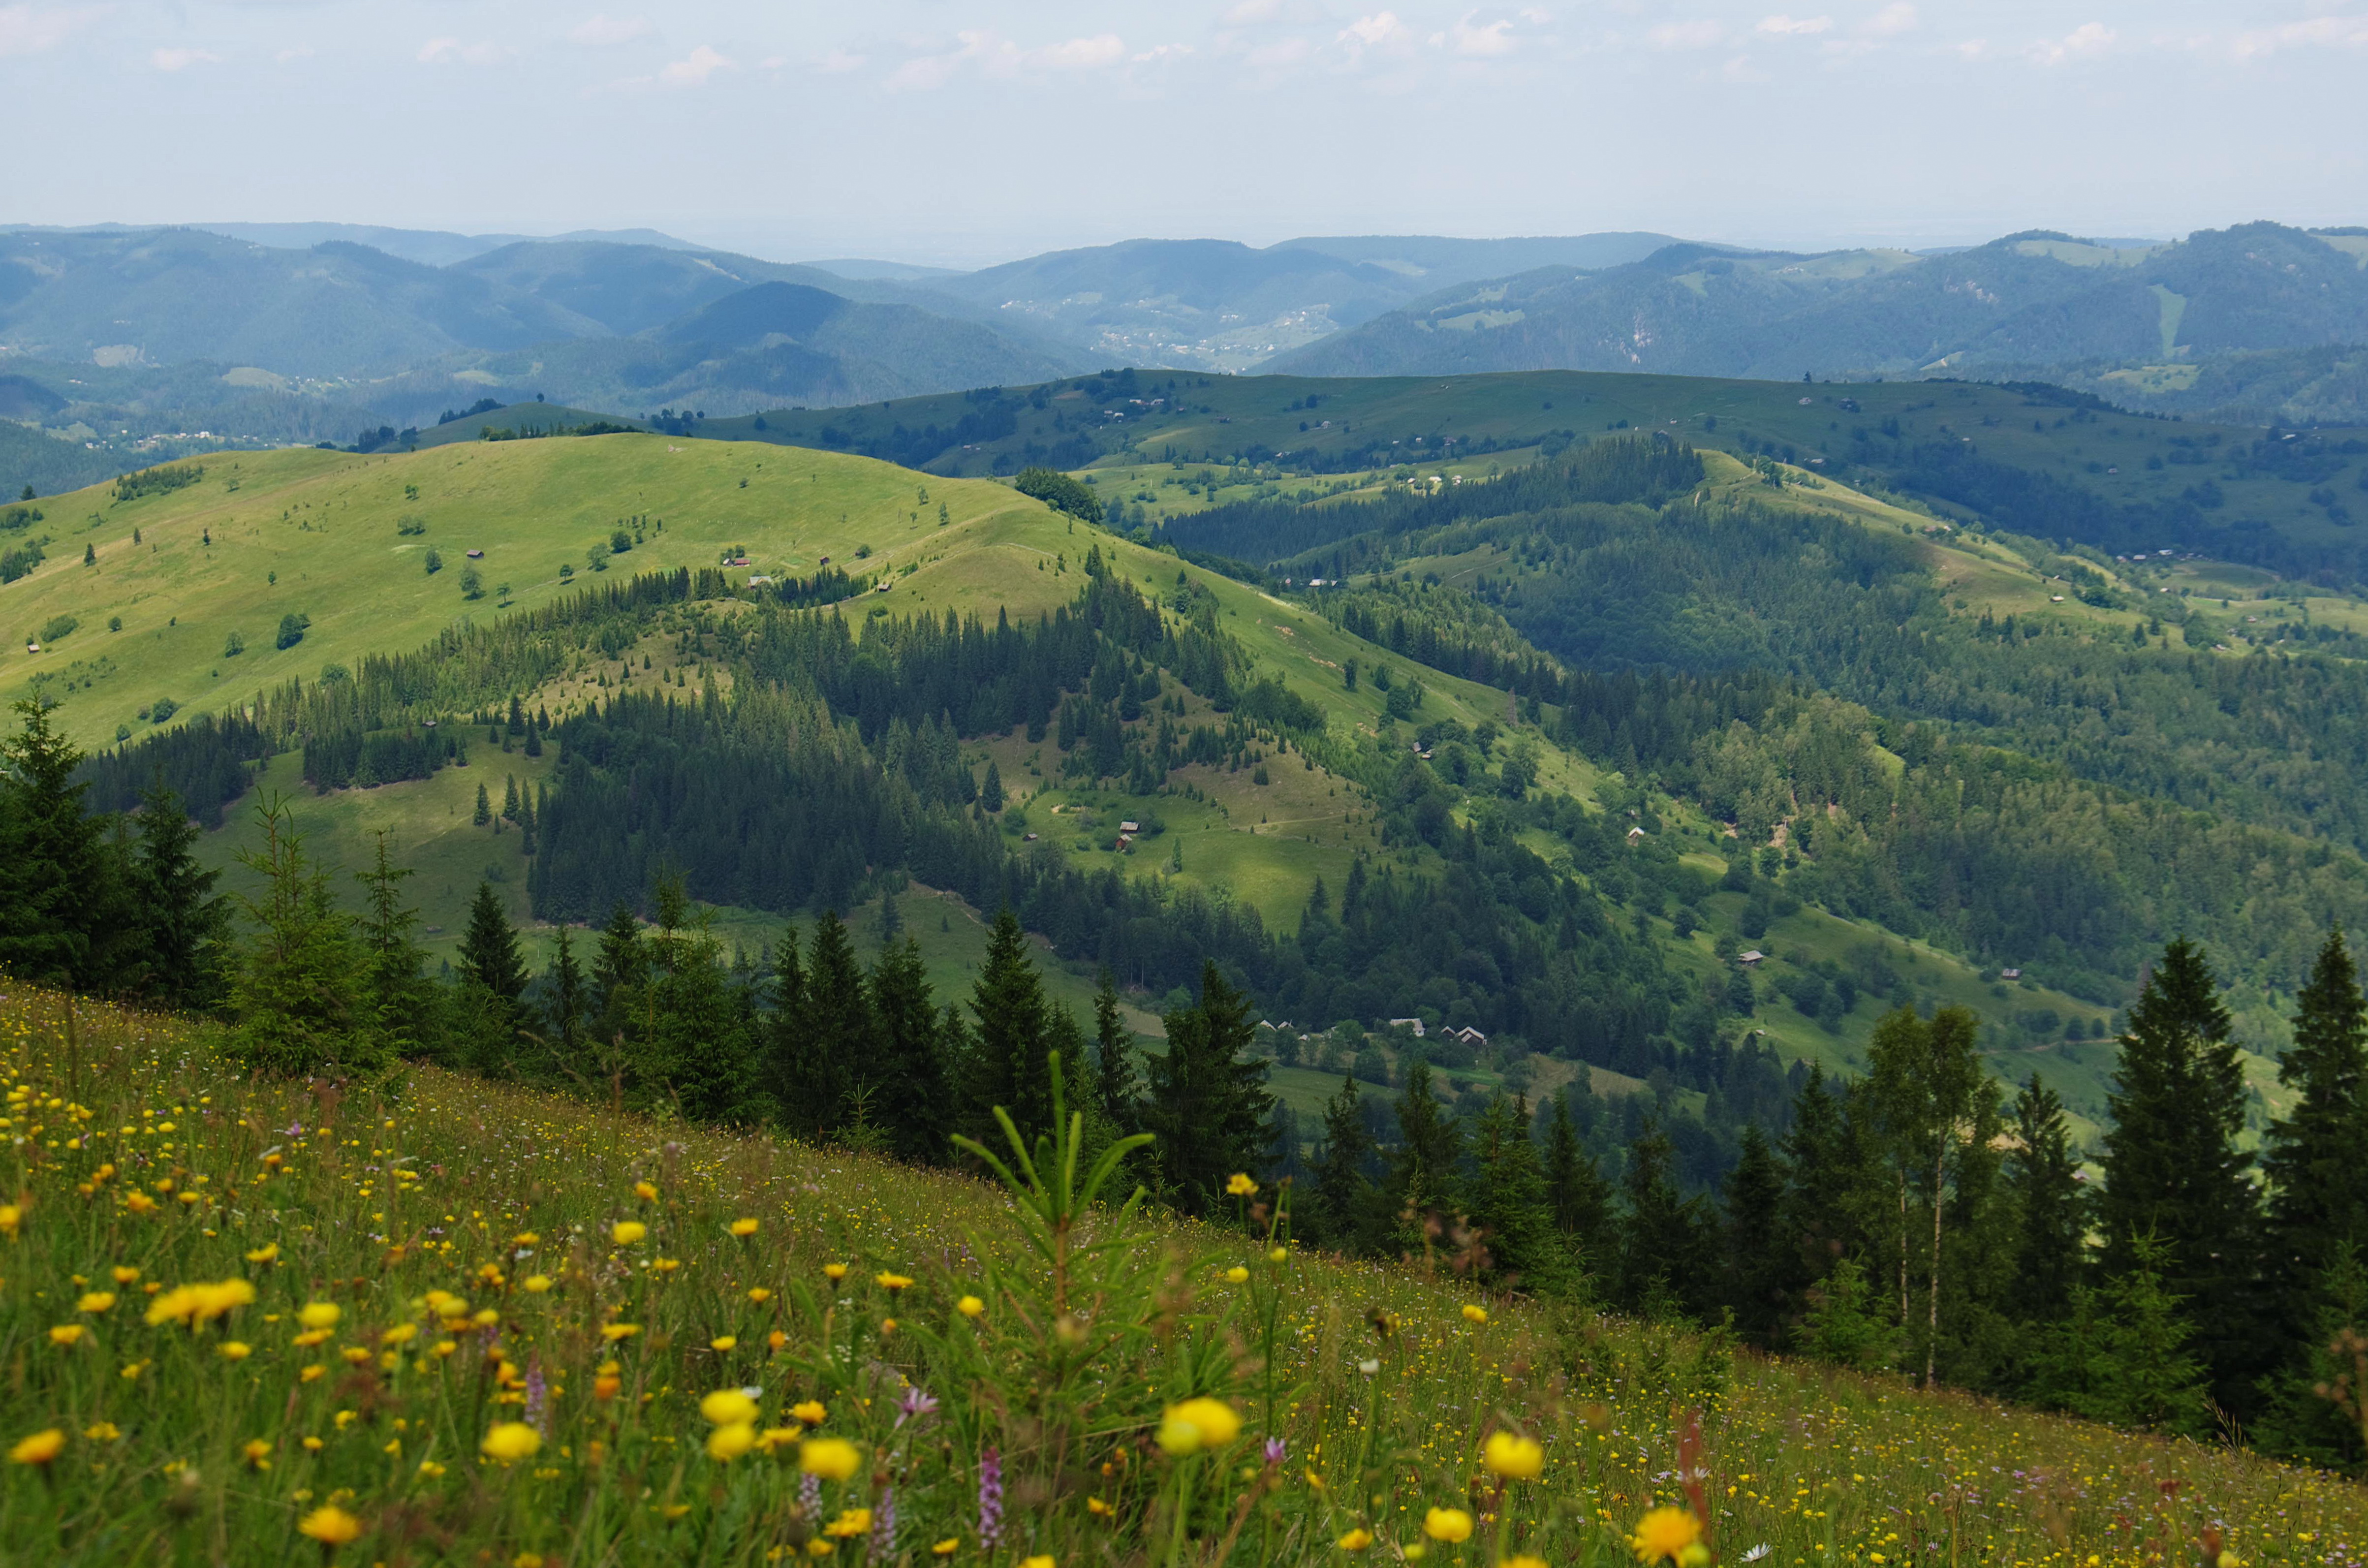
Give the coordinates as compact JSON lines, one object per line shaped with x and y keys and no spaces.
{"x":1080,"y":53}
{"x":1783,"y":26}
{"x":1251,"y":11}
{"x":1703,"y":34}
{"x":2319,"y":32}
{"x":839,"y":63}
{"x":1381,"y":30}
{"x":694,"y":69}
{"x":294,"y":52}
{"x":25,"y":30}
{"x":603,"y":30}
{"x":2087,"y":39}
{"x":451,"y":51}
{"x":1891,"y":21}
{"x":182,"y":58}
{"x":1973,"y":49}
{"x":1496,"y":37}
{"x":1162,"y":51}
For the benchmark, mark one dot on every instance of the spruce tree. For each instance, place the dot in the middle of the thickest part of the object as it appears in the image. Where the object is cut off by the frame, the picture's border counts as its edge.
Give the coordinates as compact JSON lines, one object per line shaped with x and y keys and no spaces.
{"x":1208,"y":1103}
{"x":788,"y":1044}
{"x":1343,"y":1194}
{"x":61,"y":915}
{"x":909,"y":1076}
{"x":2050,"y":1208}
{"x":1507,"y":1194}
{"x":1759,"y":1261}
{"x":1005,"y":1063}
{"x":300,"y":997}
{"x":397,"y":988}
{"x":489,"y":949}
{"x":1424,"y":1177}
{"x":838,"y":1023}
{"x":2302,"y":1418}
{"x":1117,"y":1085}
{"x":2174,"y":1172}
{"x":1576,"y":1195}
{"x":990,"y":794}
{"x":1822,"y":1165}
{"x":700,"y":1050}
{"x":184,"y":924}
{"x":620,"y":968}
{"x":567,"y":999}
{"x":1664,"y":1241}
{"x":2315,"y":1157}
{"x":484,"y":813}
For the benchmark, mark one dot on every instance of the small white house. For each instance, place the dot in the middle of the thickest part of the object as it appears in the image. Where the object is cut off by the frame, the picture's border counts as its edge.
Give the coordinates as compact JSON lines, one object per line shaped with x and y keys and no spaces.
{"x":1747,"y":960}
{"x":1413,"y":1024}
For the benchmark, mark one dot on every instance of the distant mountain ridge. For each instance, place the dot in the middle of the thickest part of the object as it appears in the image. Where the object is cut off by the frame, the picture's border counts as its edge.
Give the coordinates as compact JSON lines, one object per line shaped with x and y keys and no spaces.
{"x":2031,"y":299}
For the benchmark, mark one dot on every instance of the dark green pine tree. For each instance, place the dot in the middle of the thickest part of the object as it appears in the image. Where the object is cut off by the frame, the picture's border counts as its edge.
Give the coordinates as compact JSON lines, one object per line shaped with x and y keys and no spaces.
{"x":1664,"y":1267}
{"x":990,"y":794}
{"x":2315,"y":1157}
{"x":1759,"y":1260}
{"x":1118,"y":1087}
{"x":1576,"y":1195}
{"x":184,"y":924}
{"x":489,"y":949}
{"x":909,"y":1076}
{"x":300,"y":997}
{"x":509,"y":797}
{"x":62,"y":918}
{"x":1508,"y":1200}
{"x":1822,"y":1163}
{"x":2301,"y":1419}
{"x":620,"y":968}
{"x":1208,"y":1103}
{"x":1005,"y":1062}
{"x":788,"y":1066}
{"x":567,"y":1000}
{"x":2050,"y":1208}
{"x":484,"y":813}
{"x":1424,"y":1177}
{"x":388,"y":930}
{"x":844,"y":1058}
{"x":1342,"y":1206}
{"x":2173,"y":1171}
{"x":701,"y":1046}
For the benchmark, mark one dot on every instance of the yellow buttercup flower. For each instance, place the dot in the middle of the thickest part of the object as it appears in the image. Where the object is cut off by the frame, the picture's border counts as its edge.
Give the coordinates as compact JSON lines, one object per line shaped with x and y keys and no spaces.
{"x":95,"y":1301}
{"x":234,"y":1350}
{"x":946,"y":1548}
{"x":833,"y":1272}
{"x":330,"y":1525}
{"x":1355,"y":1541}
{"x":1665,"y":1534}
{"x":722,"y":1342}
{"x":892,"y":1282}
{"x":1522,"y":1562}
{"x":1512,"y":1455}
{"x":970,"y":1306}
{"x":744,"y":1227}
{"x":728,"y":1408}
{"x":1476,"y":1314}
{"x":319,"y":1314}
{"x":729,"y":1442}
{"x":832,"y":1459}
{"x":67,"y":1333}
{"x":1452,"y":1525}
{"x":1236,"y":1274}
{"x":536,"y":1284}
{"x":625,"y":1233}
{"x":510,"y":1441}
{"x":811,"y":1412}
{"x":196,"y":1304}
{"x":258,"y":1454}
{"x":124,"y":1276}
{"x":1239,"y":1185}
{"x":613,"y":1332}
{"x":851,"y":1522}
{"x":1198,"y":1424}
{"x":267,"y":1253}
{"x":1042,"y":1561}
{"x":39,"y":1448}
{"x":645,"y":1192}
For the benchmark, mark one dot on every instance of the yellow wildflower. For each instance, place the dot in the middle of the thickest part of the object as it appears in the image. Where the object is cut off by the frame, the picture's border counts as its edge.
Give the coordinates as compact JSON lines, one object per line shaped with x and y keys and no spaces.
{"x":267,"y":1253}
{"x":39,"y":1448}
{"x":832,"y":1459}
{"x":946,"y":1548}
{"x":234,"y":1350}
{"x":1236,"y":1274}
{"x":67,"y":1333}
{"x":319,"y":1314}
{"x":722,"y":1342}
{"x":728,"y":1408}
{"x":1476,"y":1314}
{"x":744,"y":1227}
{"x":1355,"y":1541}
{"x":892,"y":1282}
{"x":645,"y":1192}
{"x":510,"y":1441}
{"x":970,"y":1306}
{"x":1452,"y":1525}
{"x":729,"y":1442}
{"x":1666,"y":1535}
{"x":536,"y":1284}
{"x":850,"y":1522}
{"x":95,"y":1301}
{"x":625,"y":1233}
{"x":330,"y":1525}
{"x":1197,"y":1424}
{"x":1239,"y":1185}
{"x":811,"y":1412}
{"x":1513,"y":1456}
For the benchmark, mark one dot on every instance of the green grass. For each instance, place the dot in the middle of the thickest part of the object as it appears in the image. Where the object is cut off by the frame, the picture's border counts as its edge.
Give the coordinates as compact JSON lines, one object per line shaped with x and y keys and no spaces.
{"x":457,"y":1241}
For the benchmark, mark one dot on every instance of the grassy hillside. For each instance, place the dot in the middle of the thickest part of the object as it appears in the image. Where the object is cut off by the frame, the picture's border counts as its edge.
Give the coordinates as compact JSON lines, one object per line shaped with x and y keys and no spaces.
{"x":437,"y":1319}
{"x":262,"y":536}
{"x":532,"y":504}
{"x":2034,"y":460}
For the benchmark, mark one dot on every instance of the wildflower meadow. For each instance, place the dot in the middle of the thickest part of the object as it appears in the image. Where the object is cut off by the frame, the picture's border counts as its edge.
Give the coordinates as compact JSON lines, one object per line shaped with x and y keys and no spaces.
{"x":249,"y":1321}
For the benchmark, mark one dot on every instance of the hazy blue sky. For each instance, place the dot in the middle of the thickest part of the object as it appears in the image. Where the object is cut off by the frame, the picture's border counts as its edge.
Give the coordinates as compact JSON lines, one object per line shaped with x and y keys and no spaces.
{"x":971,"y":130}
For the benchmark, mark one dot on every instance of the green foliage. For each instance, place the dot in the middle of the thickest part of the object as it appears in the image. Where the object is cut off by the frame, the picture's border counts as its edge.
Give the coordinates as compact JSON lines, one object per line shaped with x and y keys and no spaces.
{"x":301,"y":998}
{"x":1058,"y":490}
{"x":2124,"y":1357}
{"x":1846,"y":1324}
{"x":1206,"y":1099}
{"x":158,"y":481}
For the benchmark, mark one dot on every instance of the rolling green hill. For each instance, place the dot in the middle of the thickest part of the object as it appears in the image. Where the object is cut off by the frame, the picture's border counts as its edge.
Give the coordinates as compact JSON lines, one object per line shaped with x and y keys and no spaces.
{"x":2034,"y":460}
{"x":1258,"y":835}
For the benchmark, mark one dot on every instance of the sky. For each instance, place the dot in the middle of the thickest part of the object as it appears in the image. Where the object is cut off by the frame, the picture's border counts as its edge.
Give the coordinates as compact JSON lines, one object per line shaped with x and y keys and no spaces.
{"x":962,"y":132}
